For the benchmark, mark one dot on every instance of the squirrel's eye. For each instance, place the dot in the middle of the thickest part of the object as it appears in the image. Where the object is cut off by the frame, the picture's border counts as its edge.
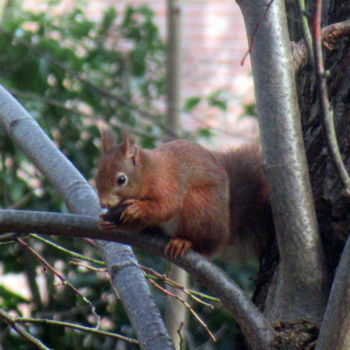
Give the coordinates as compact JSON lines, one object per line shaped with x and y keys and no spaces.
{"x":122,"y":179}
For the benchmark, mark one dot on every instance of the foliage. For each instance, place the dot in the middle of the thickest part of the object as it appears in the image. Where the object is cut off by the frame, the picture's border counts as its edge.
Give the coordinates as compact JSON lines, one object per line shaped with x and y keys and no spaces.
{"x":72,"y":73}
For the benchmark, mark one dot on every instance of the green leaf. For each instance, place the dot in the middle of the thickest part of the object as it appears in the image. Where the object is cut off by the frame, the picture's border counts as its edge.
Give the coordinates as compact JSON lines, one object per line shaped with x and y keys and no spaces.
{"x":109,"y":17}
{"x":206,"y":133}
{"x":217,"y":99}
{"x":191,"y":103}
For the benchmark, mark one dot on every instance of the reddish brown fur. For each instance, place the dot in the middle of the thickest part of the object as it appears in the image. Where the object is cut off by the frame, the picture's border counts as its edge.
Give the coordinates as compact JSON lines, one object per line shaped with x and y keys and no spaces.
{"x":197,"y":196}
{"x":250,"y":217}
{"x":179,"y":181}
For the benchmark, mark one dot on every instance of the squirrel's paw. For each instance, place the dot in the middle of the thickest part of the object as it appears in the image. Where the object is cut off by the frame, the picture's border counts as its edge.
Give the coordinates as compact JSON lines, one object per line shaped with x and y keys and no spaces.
{"x":107,"y":225}
{"x":177,"y":247}
{"x":131,"y":212}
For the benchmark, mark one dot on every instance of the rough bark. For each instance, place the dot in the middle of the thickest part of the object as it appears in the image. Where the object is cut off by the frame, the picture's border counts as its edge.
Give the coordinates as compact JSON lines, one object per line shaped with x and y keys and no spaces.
{"x":299,"y":286}
{"x":334,"y":332}
{"x":332,"y":205}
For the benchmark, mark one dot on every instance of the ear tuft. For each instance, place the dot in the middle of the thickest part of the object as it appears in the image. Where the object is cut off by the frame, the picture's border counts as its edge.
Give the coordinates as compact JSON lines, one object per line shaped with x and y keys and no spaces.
{"x":129,"y":148}
{"x":108,"y":139}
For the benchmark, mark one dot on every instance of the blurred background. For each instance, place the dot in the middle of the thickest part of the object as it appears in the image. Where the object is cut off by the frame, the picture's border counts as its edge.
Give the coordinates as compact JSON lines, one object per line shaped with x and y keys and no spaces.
{"x":79,"y":65}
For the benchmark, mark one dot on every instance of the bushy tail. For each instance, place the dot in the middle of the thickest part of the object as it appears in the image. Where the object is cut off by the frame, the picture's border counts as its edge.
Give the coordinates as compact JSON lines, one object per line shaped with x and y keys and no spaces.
{"x":250,"y":215}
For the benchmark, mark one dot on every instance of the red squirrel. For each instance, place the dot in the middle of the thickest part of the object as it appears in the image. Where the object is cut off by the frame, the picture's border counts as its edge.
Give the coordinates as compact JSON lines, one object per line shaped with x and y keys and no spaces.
{"x":201,"y":199}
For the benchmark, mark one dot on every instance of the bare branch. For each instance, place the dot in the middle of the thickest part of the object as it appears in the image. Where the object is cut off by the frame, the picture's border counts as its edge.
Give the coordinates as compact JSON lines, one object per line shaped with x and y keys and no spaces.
{"x":11,"y":321}
{"x":191,"y":293}
{"x":255,"y":327}
{"x":75,"y":326}
{"x":301,"y":278}
{"x":186,"y":305}
{"x":325,"y":109}
{"x":329,"y":34}
{"x":61,"y":277}
{"x":306,"y":28}
{"x":126,"y":275}
{"x":69,"y":252}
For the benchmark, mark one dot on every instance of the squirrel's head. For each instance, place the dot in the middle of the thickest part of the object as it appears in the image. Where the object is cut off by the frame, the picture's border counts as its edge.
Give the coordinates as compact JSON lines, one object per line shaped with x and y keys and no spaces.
{"x":119,"y":173}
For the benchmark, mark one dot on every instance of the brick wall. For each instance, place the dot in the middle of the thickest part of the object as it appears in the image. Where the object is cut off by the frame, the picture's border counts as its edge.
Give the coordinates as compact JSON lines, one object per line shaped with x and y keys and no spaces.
{"x":214,"y":44}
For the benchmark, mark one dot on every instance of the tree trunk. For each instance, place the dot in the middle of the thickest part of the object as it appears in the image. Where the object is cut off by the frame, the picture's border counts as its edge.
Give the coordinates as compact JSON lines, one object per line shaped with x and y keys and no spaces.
{"x":331,"y":203}
{"x":332,"y":206}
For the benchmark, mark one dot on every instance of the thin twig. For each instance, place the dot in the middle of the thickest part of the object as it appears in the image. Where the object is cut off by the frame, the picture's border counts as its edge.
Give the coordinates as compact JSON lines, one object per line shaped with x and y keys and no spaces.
{"x":181,"y":344}
{"x":75,"y":326}
{"x":177,"y":285}
{"x":306,"y":29}
{"x":329,"y":34}
{"x":11,"y":321}
{"x":60,"y":277}
{"x":66,"y":251}
{"x":325,"y":109}
{"x":7,"y":238}
{"x":188,"y":306}
{"x":89,"y":267}
{"x":152,"y":274}
{"x":24,"y":200}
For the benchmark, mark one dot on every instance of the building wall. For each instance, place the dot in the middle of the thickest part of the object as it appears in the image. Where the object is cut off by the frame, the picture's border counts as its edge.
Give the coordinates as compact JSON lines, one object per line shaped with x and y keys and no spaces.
{"x":214,"y":44}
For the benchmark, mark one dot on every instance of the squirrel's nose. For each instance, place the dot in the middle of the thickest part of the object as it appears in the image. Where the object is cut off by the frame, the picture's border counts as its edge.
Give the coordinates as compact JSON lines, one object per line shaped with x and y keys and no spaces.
{"x":109,"y":201}
{"x":104,"y":204}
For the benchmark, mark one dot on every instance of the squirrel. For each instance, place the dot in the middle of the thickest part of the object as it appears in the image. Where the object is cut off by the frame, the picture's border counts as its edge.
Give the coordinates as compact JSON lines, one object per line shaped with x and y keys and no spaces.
{"x":203,"y":200}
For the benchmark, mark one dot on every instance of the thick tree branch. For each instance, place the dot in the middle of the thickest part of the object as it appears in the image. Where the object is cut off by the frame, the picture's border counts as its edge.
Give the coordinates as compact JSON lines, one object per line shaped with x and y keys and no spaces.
{"x":126,"y":275}
{"x":255,"y":327}
{"x":326,"y":112}
{"x":301,"y":278}
{"x":329,"y":35}
{"x":335,"y":327}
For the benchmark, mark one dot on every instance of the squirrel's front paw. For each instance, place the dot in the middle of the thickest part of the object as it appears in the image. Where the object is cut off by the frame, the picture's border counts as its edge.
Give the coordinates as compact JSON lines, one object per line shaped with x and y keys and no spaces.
{"x":107,"y":225}
{"x":177,"y":247}
{"x":132,"y":211}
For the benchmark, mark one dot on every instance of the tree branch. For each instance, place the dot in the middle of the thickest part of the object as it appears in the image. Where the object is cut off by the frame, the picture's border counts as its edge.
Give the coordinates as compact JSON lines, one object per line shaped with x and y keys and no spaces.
{"x":11,"y":321}
{"x":61,"y":277}
{"x":126,"y":275}
{"x":301,"y":278}
{"x":329,"y":34}
{"x":335,"y":328}
{"x":255,"y":327}
{"x":75,"y":326}
{"x":49,"y":101}
{"x":325,"y":110}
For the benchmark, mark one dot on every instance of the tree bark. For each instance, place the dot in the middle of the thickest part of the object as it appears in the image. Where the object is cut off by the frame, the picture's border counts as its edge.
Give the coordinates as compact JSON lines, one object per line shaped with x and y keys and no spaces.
{"x":299,"y":285}
{"x":256,"y":329}
{"x":332,"y":203}
{"x":176,"y":313}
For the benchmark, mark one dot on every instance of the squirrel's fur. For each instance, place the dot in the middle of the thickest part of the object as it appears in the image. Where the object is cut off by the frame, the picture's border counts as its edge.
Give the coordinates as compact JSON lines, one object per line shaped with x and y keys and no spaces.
{"x":202,"y":199}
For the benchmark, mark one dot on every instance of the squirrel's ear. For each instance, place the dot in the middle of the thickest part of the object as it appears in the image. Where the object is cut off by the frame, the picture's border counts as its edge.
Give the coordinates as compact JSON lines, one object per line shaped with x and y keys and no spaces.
{"x":130,"y":149}
{"x":108,"y":139}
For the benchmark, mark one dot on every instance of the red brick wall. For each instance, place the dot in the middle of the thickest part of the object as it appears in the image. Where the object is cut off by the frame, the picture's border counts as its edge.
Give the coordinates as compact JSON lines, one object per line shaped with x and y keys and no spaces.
{"x":214,"y":44}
